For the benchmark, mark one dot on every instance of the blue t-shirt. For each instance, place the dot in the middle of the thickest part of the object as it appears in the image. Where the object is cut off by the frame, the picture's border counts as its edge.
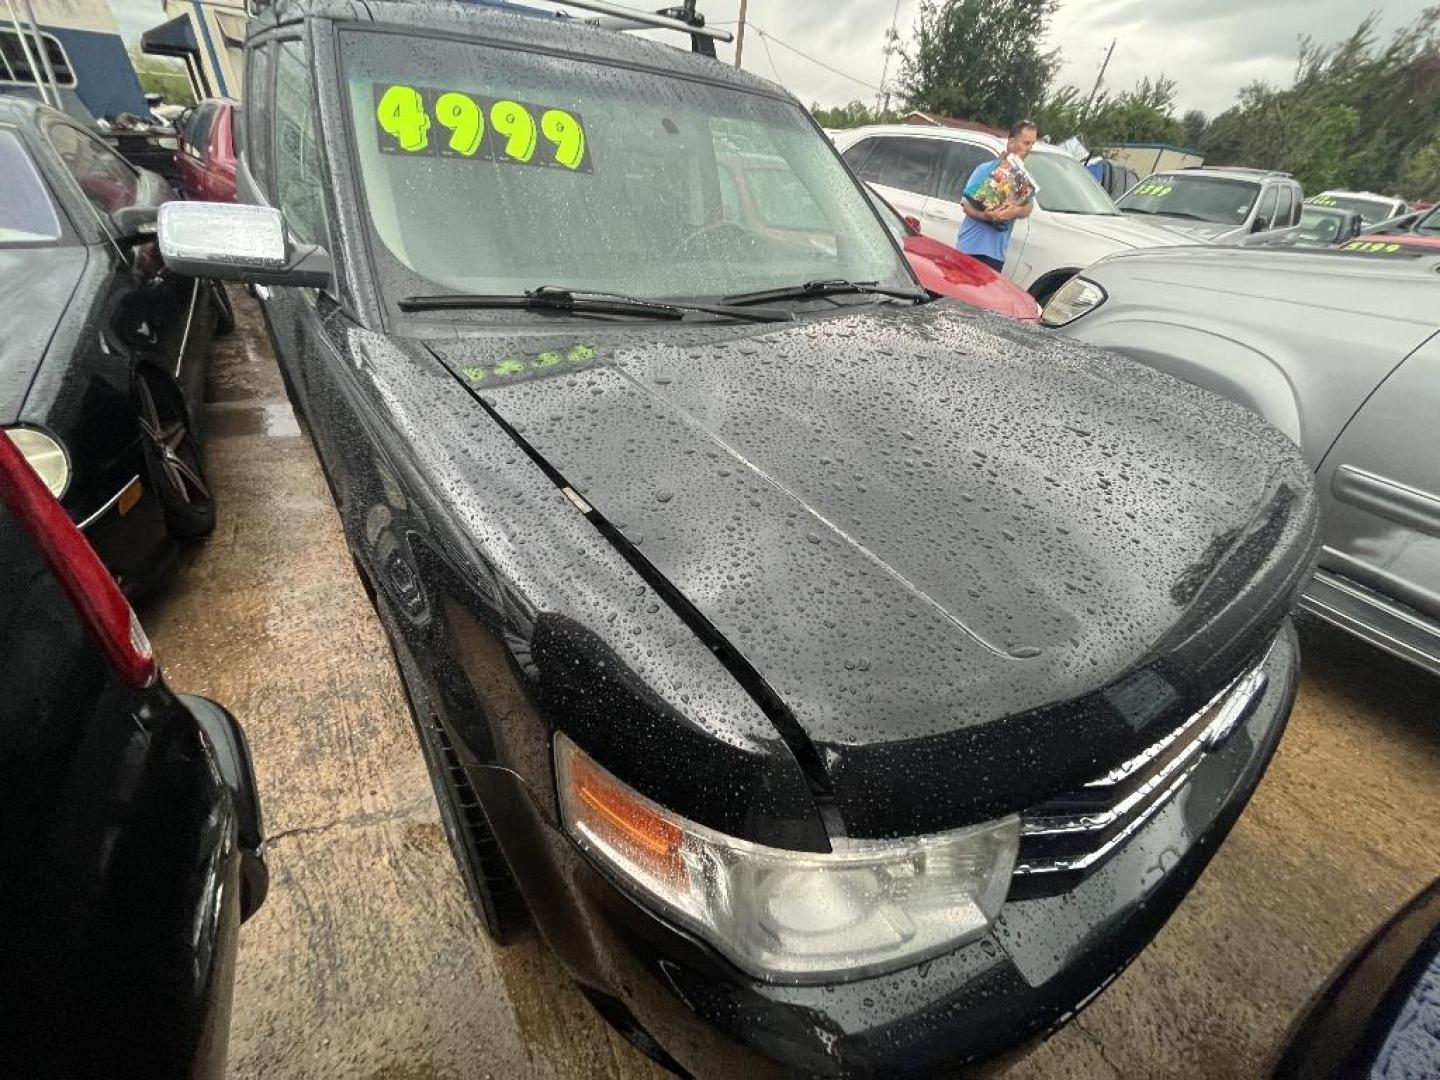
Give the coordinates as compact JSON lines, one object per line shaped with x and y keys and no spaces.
{"x":981,"y":237}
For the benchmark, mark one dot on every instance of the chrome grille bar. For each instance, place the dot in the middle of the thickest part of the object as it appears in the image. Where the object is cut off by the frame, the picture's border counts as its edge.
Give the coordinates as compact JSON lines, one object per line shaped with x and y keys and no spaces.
{"x":1117,"y":804}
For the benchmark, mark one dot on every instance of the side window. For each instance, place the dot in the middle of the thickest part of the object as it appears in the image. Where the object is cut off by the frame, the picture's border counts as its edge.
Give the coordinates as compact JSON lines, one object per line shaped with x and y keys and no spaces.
{"x":103,"y":175}
{"x":909,"y":164}
{"x":15,"y":54}
{"x":859,"y":154}
{"x":960,"y":160}
{"x":237,"y":130}
{"x":1269,"y":200}
{"x":1285,"y":211}
{"x":258,"y":61}
{"x":299,"y":190}
{"x":197,"y":132}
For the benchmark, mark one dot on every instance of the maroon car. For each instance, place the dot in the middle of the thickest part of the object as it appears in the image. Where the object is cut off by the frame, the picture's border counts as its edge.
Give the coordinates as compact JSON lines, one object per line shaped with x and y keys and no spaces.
{"x":205,"y":157}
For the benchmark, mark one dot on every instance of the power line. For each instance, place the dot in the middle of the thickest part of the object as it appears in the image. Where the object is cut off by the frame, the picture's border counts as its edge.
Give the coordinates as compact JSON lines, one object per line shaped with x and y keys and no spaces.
{"x":766,"y":36}
{"x":765,"y":40}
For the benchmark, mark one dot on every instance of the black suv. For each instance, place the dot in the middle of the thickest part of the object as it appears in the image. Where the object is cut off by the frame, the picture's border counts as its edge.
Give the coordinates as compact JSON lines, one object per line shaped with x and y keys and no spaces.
{"x":842,"y":680}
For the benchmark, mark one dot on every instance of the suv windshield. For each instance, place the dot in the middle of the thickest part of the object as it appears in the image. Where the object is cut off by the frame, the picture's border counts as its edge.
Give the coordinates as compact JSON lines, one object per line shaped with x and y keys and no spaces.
{"x":1066,"y":187}
{"x":1371,"y":211}
{"x":1430,"y":223}
{"x":493,"y":170}
{"x":1215,"y":199}
{"x":1320,"y":224}
{"x":26,"y":213}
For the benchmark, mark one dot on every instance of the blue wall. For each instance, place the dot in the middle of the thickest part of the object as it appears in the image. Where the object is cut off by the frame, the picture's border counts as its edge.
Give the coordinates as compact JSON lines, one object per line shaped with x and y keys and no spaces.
{"x":105,"y":80}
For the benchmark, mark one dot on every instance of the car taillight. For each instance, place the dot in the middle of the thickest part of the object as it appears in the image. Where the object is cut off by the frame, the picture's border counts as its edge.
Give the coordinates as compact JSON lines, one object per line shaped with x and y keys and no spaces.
{"x":79,"y":570}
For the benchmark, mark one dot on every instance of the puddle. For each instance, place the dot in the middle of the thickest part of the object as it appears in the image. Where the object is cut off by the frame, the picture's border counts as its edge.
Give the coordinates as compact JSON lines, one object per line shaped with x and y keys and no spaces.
{"x":274,"y":419}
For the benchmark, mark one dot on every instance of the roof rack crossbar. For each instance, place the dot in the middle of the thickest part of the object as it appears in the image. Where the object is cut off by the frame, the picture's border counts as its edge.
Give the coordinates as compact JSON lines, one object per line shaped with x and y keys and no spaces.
{"x":620,"y":17}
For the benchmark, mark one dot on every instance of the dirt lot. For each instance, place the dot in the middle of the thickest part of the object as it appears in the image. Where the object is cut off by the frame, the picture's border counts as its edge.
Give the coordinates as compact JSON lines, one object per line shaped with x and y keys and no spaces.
{"x":366,"y":961}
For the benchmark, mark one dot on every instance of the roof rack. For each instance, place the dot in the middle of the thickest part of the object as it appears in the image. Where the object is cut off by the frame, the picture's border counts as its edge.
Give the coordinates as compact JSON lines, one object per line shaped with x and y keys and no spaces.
{"x":683,"y":18}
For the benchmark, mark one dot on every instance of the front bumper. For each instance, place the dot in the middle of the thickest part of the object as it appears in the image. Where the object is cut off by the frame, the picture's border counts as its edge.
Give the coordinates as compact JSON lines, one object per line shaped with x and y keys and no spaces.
{"x":1044,"y":959}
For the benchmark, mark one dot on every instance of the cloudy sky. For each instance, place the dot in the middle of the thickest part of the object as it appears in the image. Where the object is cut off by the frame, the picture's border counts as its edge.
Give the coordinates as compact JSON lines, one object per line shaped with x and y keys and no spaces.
{"x":1211,"y":47}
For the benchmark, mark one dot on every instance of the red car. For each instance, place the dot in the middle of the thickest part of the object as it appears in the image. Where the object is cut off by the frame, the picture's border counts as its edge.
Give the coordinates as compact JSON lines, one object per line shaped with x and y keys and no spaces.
{"x":944,"y":270}
{"x":205,"y":158}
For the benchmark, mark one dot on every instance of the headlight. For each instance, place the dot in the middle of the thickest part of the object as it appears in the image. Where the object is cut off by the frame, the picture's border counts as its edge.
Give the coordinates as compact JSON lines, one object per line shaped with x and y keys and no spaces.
{"x":1073,"y":299}
{"x":46,"y":456}
{"x":793,"y":916}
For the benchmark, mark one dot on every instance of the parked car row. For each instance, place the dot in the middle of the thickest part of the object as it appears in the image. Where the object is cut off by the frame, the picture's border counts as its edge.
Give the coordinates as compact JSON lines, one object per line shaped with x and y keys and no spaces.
{"x":845,"y":681}
{"x":103,"y":371}
{"x":920,"y":171}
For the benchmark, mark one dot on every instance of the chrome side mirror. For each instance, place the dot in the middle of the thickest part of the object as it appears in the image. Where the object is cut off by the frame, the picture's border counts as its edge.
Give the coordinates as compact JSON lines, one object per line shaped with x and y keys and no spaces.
{"x":237,"y":242}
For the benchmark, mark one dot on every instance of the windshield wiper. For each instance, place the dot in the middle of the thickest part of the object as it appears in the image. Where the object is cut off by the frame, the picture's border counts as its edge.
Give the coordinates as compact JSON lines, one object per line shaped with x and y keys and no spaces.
{"x":581,"y":301}
{"x":829,"y":287}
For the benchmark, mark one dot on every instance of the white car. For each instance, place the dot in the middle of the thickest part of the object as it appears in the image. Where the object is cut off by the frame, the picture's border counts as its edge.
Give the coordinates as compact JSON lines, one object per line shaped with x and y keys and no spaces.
{"x":1372,"y":208}
{"x":921,"y":171}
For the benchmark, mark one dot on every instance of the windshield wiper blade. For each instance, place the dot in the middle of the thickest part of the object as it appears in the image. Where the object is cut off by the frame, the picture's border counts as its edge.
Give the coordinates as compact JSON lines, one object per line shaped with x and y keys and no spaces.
{"x":828,"y":287}
{"x":555,"y":298}
{"x":1187,"y":216}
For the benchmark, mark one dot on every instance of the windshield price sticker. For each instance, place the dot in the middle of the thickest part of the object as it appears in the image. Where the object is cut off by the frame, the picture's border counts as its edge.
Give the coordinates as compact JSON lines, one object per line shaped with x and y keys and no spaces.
{"x":521,"y":365}
{"x":420,"y":121}
{"x":1323,"y":200}
{"x":1372,"y":247}
{"x":1158,"y":191}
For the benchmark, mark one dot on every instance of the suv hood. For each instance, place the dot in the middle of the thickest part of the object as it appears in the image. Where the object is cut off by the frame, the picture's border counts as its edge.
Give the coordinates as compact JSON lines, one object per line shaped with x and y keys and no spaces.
{"x":1191,"y":230}
{"x":1127,"y":229}
{"x":35,"y":288}
{"x":975,"y":562}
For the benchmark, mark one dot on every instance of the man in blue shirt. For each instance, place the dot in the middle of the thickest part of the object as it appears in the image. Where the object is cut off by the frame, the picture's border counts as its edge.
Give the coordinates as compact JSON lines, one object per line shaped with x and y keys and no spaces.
{"x":986,"y":233}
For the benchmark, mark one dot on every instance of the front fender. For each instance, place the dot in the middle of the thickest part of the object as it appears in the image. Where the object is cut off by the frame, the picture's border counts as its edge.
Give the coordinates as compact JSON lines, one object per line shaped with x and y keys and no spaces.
{"x":1211,"y":361}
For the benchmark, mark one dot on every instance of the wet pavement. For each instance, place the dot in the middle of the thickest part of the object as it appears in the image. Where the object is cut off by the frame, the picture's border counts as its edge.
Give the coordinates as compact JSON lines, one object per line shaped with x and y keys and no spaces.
{"x":366,"y":960}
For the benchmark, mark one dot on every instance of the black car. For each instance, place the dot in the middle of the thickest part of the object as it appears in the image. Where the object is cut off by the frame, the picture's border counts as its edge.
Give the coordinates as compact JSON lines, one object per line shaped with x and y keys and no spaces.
{"x":1327,"y":226}
{"x":130,"y":831}
{"x":103,"y":348}
{"x":844,"y":682}
{"x":1379,"y":1015}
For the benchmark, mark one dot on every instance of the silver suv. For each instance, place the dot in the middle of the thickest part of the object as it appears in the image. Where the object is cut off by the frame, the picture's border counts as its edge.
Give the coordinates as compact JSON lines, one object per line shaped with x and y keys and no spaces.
{"x":1340,"y":351}
{"x":1220,"y":206}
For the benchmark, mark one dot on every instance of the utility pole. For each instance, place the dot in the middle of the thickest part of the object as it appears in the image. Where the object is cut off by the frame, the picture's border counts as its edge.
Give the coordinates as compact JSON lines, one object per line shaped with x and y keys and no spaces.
{"x":1100,"y":78}
{"x":883,"y":98}
{"x":740,"y":34}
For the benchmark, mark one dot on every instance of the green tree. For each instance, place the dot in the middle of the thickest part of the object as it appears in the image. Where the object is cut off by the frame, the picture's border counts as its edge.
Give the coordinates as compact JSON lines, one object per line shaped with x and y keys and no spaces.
{"x":1420,"y":176}
{"x":855,"y":114}
{"x":979,"y":59}
{"x":1359,"y":113}
{"x":1193,"y":124}
{"x":1142,"y":114}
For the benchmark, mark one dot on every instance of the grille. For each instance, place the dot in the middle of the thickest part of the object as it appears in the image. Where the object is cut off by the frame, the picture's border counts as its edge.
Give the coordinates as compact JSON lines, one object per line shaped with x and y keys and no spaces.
{"x":1067,"y":837}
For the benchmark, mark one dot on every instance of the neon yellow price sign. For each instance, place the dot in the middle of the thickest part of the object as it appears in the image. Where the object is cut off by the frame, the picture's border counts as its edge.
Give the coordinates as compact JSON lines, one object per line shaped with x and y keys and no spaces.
{"x":1373,"y":247}
{"x":419,"y":121}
